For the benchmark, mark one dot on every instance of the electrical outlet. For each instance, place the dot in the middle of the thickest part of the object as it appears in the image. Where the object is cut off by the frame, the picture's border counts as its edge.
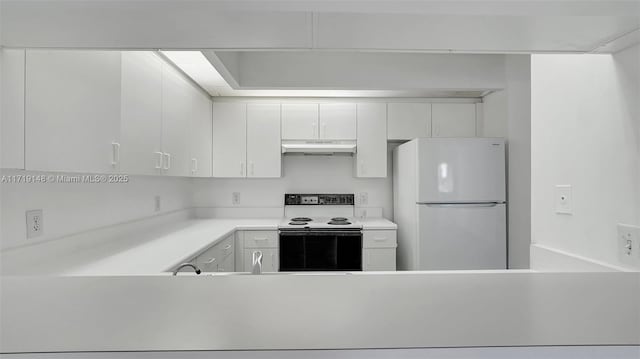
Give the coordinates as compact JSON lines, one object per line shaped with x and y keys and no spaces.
{"x":235,"y":198}
{"x":364,"y":198}
{"x":157,"y":204}
{"x":628,"y":244}
{"x":564,"y":199}
{"x":35,"y":223}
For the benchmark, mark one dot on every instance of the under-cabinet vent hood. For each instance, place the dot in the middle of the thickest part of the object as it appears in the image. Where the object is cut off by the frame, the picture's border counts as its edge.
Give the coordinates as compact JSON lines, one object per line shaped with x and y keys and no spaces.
{"x":319,"y":147}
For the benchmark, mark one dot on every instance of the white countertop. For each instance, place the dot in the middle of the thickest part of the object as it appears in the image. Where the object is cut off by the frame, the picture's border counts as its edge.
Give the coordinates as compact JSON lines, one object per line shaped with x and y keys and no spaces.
{"x":146,"y":250}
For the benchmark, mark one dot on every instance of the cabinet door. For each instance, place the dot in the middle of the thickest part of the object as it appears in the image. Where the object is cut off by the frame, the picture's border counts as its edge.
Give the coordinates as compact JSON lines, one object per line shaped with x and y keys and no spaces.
{"x":338,"y":121}
{"x":141,"y":113}
{"x":72,"y":108}
{"x":379,"y":259}
{"x":264,"y":155}
{"x":299,"y":121}
{"x":407,"y":121}
{"x":229,"y":139}
{"x":270,"y":259}
{"x":454,"y":119}
{"x":227,"y":264}
{"x":12,"y":108}
{"x":175,"y":122}
{"x":372,"y":140}
{"x":201,"y":135}
{"x":210,"y":260}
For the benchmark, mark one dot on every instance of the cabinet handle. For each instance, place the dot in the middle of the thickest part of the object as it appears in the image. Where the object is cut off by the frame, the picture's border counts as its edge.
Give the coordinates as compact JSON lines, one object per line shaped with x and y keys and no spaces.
{"x":210,"y":261}
{"x":167,"y":163}
{"x":194,"y":165}
{"x":159,"y":160}
{"x":380,"y":239}
{"x":228,"y":246}
{"x":115,"y":153}
{"x":260,"y":239}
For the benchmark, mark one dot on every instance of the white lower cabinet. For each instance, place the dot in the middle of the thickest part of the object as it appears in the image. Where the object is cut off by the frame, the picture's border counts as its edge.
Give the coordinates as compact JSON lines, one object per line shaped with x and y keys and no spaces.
{"x":263,"y":241}
{"x":379,"y":250}
{"x":218,"y":258}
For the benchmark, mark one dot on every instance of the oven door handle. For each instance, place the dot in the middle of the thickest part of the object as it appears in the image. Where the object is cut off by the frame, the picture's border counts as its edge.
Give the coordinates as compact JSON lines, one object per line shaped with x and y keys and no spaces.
{"x":322,"y":233}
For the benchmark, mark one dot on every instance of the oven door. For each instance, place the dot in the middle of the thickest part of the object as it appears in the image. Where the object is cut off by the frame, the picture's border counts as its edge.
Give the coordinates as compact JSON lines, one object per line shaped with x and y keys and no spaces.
{"x":325,"y":250}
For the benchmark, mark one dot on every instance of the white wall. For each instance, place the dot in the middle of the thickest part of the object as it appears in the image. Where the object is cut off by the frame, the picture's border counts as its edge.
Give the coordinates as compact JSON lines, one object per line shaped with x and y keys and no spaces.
{"x":507,"y":113}
{"x":585,"y":133}
{"x":301,"y":174}
{"x":70,"y":208}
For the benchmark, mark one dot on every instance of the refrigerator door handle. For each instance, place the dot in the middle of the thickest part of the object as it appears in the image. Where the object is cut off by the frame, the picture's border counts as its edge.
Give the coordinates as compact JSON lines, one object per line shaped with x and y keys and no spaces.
{"x":466,"y":205}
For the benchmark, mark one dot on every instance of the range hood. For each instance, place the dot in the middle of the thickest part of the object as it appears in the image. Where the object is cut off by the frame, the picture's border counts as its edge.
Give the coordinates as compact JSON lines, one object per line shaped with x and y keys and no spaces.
{"x":319,"y":147}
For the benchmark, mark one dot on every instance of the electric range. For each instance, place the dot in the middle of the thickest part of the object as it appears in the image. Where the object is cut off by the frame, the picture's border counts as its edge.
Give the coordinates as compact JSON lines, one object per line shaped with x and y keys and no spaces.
{"x":320,"y":233}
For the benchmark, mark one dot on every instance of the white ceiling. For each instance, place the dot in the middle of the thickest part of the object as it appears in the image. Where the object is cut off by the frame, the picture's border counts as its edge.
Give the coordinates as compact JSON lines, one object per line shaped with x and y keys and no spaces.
{"x":367,"y":48}
{"x":433,"y":26}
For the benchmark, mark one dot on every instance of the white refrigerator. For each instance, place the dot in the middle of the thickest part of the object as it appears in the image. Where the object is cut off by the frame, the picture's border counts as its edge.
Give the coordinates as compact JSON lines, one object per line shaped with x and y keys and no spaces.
{"x":450,"y":203}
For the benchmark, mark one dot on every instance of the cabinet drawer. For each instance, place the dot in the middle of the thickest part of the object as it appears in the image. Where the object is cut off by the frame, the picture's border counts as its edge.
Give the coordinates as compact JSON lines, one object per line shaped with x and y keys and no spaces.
{"x":261,"y":239}
{"x":226,"y":246}
{"x":379,"y":239}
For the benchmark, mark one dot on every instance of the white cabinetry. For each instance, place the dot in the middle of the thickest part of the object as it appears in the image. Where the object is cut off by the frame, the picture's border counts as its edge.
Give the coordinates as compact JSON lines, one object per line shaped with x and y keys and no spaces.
{"x":407,"y":121}
{"x":379,"y":250}
{"x":265,"y":242}
{"x":229,"y":139}
{"x":175,"y":122}
{"x":72,"y":110}
{"x":327,"y":121}
{"x":371,"y":158}
{"x":12,"y":107}
{"x":200,"y":138}
{"x":454,"y":120}
{"x":264,"y":156}
{"x":141,"y":113}
{"x":337,"y":121}
{"x":299,"y":121}
{"x":218,"y":258}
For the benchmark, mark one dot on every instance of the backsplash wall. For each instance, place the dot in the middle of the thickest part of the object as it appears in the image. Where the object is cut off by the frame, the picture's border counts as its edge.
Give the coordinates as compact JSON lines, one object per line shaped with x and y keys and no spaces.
{"x":301,"y":174}
{"x":70,"y":208}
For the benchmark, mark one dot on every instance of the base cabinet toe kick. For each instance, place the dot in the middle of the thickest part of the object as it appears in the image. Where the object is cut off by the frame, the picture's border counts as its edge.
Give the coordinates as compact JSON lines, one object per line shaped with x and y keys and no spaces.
{"x":299,"y":251}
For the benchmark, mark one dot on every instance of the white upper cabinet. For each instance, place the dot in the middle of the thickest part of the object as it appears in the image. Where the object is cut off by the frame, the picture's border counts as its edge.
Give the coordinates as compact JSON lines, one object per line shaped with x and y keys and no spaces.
{"x":371,"y":158}
{"x":12,"y":107}
{"x":200,"y":139}
{"x":407,"y":121}
{"x":175,"y":122}
{"x":141,"y":120}
{"x":454,"y":120}
{"x":299,"y":121}
{"x":229,"y":139}
{"x":337,"y":121}
{"x":263,"y":140}
{"x":72,"y":108}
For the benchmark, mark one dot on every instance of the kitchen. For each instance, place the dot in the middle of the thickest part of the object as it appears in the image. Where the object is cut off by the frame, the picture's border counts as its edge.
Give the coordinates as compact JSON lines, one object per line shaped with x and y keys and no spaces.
{"x":273,"y":135}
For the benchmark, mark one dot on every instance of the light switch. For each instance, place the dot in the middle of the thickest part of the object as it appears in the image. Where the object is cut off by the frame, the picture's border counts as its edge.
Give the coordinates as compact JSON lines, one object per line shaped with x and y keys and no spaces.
{"x":628,"y":242}
{"x":564,"y":199}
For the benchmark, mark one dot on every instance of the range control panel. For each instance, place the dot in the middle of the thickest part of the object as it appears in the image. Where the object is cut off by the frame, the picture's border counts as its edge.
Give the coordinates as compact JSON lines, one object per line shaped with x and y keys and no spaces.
{"x":343,"y":199}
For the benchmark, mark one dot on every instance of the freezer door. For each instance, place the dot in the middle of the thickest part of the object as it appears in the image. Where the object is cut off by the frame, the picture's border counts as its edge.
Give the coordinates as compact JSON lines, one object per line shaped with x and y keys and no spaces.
{"x":462,"y":236}
{"x":461,"y":170}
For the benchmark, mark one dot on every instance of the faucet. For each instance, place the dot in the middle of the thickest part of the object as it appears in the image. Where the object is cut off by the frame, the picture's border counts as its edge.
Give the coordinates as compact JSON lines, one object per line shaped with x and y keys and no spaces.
{"x":195,"y":268}
{"x":257,"y":263}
